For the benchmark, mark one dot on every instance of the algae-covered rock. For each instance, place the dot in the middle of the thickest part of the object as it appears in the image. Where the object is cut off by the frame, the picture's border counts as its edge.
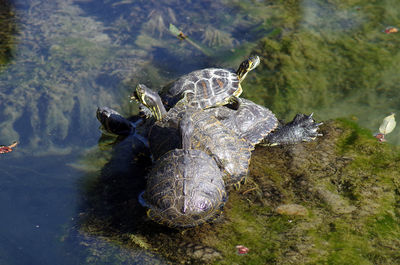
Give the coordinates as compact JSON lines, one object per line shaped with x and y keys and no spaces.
{"x":346,"y":182}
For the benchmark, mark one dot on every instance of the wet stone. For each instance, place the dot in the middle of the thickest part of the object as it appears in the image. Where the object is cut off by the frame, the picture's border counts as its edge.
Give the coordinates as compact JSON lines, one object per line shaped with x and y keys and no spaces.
{"x":292,"y":209}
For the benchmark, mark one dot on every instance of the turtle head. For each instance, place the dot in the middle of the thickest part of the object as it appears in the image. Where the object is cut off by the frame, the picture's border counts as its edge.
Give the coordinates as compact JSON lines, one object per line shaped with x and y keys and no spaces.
{"x":150,"y":99}
{"x":246,"y":66}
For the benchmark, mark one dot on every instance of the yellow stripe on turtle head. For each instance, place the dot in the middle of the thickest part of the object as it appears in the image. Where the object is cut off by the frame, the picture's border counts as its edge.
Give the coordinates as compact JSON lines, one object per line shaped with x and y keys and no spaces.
{"x":246,"y":66}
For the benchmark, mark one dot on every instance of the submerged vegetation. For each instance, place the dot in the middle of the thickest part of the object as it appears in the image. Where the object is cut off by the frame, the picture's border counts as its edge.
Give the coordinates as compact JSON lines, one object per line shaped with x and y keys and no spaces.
{"x":330,"y":57}
{"x":333,"y":201}
{"x":7,"y":32}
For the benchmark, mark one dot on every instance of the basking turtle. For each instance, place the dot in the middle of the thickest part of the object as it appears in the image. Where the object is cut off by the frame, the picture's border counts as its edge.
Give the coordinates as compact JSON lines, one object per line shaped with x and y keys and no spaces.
{"x":115,"y":124}
{"x":232,"y":153}
{"x":185,"y":186}
{"x":209,"y":87}
{"x":112,"y":122}
{"x":216,"y":142}
{"x":227,"y":135}
{"x":258,"y":125}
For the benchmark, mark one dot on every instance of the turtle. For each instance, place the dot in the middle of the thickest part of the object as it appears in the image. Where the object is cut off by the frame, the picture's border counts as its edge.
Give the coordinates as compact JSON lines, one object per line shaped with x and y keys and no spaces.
{"x":231,"y":152}
{"x":227,"y":135}
{"x":209,"y":87}
{"x":113,"y":122}
{"x":185,"y":142}
{"x":258,"y":125}
{"x":185,"y":187}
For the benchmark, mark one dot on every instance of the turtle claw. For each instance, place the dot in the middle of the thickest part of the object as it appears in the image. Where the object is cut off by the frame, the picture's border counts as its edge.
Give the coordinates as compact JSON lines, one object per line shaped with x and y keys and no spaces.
{"x":302,"y":128}
{"x":308,"y":130}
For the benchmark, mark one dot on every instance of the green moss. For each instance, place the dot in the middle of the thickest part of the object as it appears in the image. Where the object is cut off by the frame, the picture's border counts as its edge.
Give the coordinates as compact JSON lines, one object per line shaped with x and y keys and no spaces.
{"x":346,"y":179}
{"x":353,"y":237}
{"x":250,"y":226}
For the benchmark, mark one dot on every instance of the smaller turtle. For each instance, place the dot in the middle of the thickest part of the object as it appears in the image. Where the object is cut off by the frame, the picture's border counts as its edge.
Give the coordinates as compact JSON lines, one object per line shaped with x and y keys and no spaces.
{"x":112,"y":122}
{"x":258,"y":125}
{"x":115,"y":124}
{"x":185,"y":187}
{"x":209,"y":87}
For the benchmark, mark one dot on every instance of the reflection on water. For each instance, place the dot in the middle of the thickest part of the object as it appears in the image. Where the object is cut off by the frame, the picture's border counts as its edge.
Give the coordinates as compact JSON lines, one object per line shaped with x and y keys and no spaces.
{"x":60,"y":59}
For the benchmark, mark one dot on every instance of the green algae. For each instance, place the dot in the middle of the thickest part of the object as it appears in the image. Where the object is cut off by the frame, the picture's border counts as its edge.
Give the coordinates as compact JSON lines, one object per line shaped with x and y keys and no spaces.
{"x":68,"y":62}
{"x":309,"y":65}
{"x":346,"y":179}
{"x":8,"y":29}
{"x":330,"y":57}
{"x":64,"y":68}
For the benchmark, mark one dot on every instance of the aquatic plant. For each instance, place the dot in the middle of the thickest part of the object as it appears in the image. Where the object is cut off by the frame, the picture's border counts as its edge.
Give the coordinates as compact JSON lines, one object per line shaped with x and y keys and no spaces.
{"x":64,"y":67}
{"x":67,"y":63}
{"x":330,"y":57}
{"x":8,"y":30}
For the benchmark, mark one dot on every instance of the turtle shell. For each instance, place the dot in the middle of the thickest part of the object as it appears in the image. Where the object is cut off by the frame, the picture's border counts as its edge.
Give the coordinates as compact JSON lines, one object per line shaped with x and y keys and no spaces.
{"x":113,"y":122}
{"x":184,"y":188}
{"x":231,"y":151}
{"x":251,"y":121}
{"x":203,"y":88}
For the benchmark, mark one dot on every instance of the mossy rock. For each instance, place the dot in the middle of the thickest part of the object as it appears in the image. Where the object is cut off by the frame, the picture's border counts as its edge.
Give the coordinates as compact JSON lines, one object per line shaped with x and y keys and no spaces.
{"x":346,"y":180}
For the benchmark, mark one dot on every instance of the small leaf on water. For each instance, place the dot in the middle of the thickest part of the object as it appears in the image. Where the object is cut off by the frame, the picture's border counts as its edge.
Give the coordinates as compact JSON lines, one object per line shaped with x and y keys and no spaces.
{"x":388,"y":124}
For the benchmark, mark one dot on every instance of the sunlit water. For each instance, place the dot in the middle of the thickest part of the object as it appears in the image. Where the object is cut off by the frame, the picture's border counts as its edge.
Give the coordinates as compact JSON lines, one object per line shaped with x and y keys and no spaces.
{"x":70,"y":57}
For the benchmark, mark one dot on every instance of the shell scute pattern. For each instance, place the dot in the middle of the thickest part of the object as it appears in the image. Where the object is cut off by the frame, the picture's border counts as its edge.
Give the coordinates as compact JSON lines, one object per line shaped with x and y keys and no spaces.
{"x":251,"y":121}
{"x":208,"y":87}
{"x":178,"y":195}
{"x":222,"y":143}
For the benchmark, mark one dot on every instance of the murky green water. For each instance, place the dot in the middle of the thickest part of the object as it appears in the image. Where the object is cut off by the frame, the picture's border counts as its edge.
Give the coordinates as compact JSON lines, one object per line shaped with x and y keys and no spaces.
{"x":59,"y":60}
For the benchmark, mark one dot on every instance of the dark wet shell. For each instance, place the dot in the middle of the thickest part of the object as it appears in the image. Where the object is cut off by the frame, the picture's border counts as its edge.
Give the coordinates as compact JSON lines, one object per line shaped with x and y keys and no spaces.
{"x":113,"y":122}
{"x":227,"y":135}
{"x":251,"y":121}
{"x":163,"y":138}
{"x":205,"y":88}
{"x":184,"y":189}
{"x":232,"y":152}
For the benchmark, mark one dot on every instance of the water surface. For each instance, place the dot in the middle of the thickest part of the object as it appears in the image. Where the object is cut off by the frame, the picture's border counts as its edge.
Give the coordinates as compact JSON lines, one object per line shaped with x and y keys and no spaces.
{"x":61,"y":59}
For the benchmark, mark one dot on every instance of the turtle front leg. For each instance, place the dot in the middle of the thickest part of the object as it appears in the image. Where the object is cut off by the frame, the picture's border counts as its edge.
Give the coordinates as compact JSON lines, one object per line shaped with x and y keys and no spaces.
{"x":233,"y":103}
{"x":302,"y":128}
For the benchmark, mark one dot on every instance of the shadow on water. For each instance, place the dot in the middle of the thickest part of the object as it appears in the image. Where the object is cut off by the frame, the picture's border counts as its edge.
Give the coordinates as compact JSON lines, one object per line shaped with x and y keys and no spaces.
{"x":112,"y":195}
{"x":109,"y":206}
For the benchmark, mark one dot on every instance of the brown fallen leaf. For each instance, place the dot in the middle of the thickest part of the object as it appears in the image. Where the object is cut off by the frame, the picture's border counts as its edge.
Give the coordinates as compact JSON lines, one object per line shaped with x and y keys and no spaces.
{"x":6,"y":149}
